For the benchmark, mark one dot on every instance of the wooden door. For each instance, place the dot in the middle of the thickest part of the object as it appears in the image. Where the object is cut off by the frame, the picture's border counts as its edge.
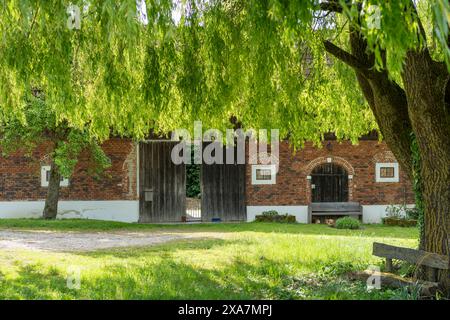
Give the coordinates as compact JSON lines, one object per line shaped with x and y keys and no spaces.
{"x":162,"y":184}
{"x":329,"y":183}
{"x":223,"y":191}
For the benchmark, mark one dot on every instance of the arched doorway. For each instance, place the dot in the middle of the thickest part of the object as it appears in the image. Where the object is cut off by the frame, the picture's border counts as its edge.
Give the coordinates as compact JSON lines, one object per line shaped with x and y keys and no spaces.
{"x":329,"y":183}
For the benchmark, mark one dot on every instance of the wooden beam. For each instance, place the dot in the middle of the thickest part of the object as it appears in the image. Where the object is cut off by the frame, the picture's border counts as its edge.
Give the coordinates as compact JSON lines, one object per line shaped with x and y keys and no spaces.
{"x":426,"y":288}
{"x":336,"y":213}
{"x":417,"y":257}
{"x":336,"y":206}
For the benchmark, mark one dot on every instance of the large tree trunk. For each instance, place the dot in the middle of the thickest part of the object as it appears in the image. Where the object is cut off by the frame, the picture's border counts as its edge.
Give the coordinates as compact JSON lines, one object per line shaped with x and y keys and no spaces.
{"x":51,"y":203}
{"x":422,"y":108}
{"x":426,"y":86}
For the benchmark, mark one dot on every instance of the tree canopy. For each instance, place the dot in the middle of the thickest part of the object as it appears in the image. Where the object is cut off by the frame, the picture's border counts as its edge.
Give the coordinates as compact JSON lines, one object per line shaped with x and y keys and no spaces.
{"x":62,"y":143}
{"x":262,"y":61}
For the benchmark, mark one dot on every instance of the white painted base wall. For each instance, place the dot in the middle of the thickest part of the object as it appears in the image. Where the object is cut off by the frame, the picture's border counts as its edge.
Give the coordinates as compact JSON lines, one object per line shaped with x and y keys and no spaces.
{"x":128,"y":211}
{"x":123,"y":211}
{"x":300,"y":212}
{"x":370,"y":213}
{"x":374,"y":213}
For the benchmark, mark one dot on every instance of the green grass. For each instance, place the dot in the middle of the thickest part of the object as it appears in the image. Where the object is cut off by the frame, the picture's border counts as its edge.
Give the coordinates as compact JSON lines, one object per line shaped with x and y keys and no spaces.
{"x":253,"y":261}
{"x":82,"y":225}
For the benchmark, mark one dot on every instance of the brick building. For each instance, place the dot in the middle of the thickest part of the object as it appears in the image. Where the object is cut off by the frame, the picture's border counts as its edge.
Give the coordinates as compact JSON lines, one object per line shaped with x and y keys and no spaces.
{"x":366,"y":175}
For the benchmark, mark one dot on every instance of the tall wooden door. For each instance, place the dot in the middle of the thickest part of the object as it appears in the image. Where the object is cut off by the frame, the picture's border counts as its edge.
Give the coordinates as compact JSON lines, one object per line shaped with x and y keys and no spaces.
{"x":223,"y":191}
{"x":329,"y":183}
{"x":162,"y":184}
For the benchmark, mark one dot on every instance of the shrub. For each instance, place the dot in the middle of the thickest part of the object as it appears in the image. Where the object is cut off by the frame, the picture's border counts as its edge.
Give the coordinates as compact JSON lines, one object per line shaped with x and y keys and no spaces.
{"x":412,"y":213}
{"x":402,"y":222}
{"x":270,"y":213}
{"x":401,"y":216}
{"x":395,"y":211}
{"x":347,"y":223}
{"x":274,"y":216}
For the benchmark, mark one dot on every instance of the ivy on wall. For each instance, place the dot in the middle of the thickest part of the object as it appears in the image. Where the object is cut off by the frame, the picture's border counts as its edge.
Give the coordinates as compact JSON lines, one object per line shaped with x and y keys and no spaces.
{"x":417,"y":187}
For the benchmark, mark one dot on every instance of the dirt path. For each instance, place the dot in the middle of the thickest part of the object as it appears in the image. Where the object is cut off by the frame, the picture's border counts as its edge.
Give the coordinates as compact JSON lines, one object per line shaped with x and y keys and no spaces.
{"x":88,"y":241}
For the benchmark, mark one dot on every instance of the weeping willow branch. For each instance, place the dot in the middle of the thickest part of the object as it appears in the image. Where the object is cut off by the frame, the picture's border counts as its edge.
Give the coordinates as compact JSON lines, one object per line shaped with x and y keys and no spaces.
{"x":346,"y":57}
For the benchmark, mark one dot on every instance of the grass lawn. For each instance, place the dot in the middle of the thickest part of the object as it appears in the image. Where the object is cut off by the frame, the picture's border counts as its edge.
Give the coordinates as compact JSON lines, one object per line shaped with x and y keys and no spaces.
{"x":253,"y":261}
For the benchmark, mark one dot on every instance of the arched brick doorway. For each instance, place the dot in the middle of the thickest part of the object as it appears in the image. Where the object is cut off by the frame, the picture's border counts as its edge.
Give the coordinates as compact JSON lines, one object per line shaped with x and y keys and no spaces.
{"x":329,"y":183}
{"x":333,"y":160}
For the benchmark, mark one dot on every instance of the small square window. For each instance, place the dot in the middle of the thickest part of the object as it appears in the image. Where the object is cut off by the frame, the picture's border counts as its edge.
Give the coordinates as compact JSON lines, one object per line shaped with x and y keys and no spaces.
{"x":263,"y":174}
{"x":45,"y":177}
{"x":387,"y":172}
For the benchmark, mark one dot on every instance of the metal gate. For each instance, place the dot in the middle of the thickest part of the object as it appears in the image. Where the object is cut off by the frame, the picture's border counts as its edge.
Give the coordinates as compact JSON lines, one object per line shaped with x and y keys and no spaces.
{"x":162,"y":184}
{"x":223,"y":191}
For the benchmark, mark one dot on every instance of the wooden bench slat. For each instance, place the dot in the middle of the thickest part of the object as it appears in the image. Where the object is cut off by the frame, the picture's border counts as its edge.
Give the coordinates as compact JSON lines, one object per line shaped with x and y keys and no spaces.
{"x":335,"y":213}
{"x":417,"y":257}
{"x":335,"y":205}
{"x":336,"y":210}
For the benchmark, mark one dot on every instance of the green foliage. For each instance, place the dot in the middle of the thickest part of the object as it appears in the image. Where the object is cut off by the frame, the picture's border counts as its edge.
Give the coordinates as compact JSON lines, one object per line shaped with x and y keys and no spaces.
{"x":223,"y":58}
{"x":193,"y":189}
{"x":62,"y":143}
{"x":395,"y":211}
{"x":270,"y":213}
{"x":401,"y":222}
{"x":348,"y":223}
{"x":400,"y":215}
{"x":262,"y":61}
{"x":274,"y":216}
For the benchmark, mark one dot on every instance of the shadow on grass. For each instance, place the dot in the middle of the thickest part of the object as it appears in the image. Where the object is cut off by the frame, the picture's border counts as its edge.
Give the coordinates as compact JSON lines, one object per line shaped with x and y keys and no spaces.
{"x":155,"y":273}
{"x":169,"y":279}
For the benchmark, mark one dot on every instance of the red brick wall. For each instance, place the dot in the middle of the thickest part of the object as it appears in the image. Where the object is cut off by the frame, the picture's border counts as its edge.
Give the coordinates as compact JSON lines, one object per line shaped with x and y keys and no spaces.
{"x":293,"y":188}
{"x":20,"y":176}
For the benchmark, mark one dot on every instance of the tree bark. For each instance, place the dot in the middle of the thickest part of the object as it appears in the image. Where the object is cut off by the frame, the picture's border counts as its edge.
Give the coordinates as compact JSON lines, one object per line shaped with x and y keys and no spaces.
{"x":426,"y":83}
{"x":51,"y":202}
{"x":423,"y":108}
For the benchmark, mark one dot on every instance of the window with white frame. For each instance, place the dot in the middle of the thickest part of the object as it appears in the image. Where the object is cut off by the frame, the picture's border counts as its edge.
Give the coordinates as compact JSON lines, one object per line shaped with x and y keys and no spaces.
{"x":386,"y":172}
{"x":45,"y":178}
{"x":264,"y":174}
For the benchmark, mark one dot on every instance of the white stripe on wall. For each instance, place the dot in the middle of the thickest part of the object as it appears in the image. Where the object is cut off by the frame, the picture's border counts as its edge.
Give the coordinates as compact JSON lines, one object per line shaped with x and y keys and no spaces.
{"x":300,"y":212}
{"x":120,"y":210}
{"x":374,"y":213}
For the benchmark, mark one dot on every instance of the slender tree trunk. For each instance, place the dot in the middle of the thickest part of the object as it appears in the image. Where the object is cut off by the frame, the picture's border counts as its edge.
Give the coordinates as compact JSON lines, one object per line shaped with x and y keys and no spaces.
{"x":51,"y":203}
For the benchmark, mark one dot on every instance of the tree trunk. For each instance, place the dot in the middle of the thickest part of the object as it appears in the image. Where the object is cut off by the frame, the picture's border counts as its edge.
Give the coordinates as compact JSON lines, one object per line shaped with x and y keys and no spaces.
{"x":423,"y":108}
{"x":426,"y":83}
{"x":51,"y":203}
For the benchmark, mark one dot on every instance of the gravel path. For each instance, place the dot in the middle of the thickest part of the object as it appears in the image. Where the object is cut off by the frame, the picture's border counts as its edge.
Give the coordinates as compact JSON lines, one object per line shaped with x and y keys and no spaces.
{"x":88,"y":241}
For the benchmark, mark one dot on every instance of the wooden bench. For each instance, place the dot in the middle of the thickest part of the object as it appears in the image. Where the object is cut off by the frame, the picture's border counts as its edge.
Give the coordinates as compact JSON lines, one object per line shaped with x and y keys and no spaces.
{"x":352,"y":209}
{"x":417,"y":257}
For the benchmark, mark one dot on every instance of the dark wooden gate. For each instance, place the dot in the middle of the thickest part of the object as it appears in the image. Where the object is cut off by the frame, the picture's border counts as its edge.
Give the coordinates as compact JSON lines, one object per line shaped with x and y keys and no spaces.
{"x":162,"y":184}
{"x":329,"y":183}
{"x":223,"y":191}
